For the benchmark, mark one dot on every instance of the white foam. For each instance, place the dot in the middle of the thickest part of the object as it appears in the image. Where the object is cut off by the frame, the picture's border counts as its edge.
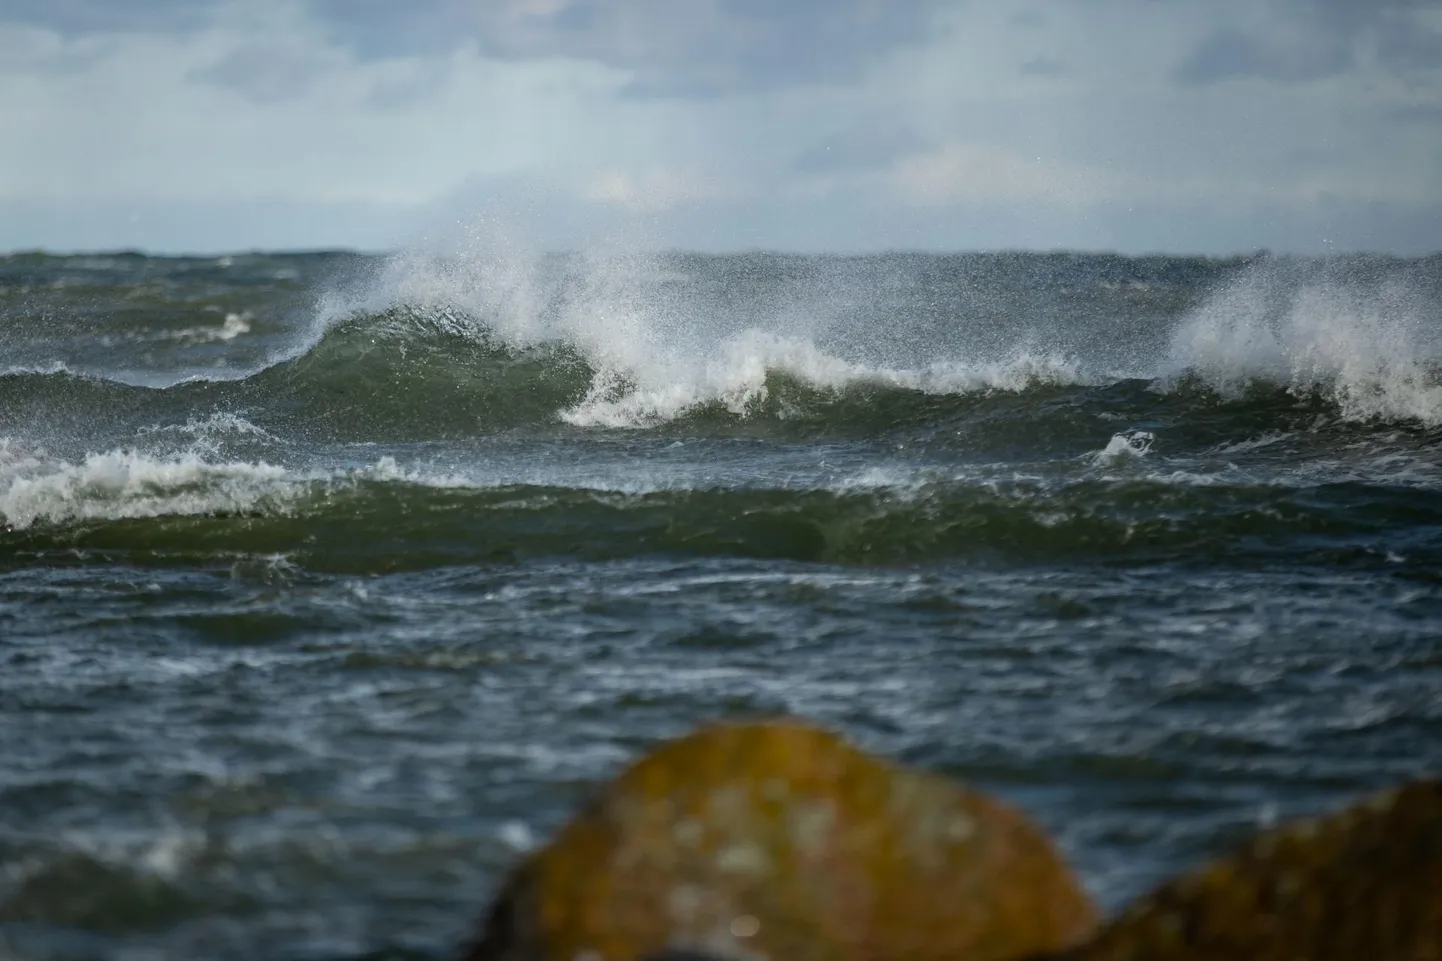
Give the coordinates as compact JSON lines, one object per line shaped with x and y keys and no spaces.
{"x":736,"y":379}
{"x":23,"y":370}
{"x":1374,"y":348}
{"x":1250,"y":444}
{"x":123,"y":484}
{"x":893,"y":479}
{"x":232,"y":327}
{"x":216,"y":425}
{"x":1125,"y":446}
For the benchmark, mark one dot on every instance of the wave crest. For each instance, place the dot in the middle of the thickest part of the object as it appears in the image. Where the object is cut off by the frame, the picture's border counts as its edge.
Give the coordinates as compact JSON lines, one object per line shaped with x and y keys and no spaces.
{"x":125,"y":484}
{"x":1369,"y":342}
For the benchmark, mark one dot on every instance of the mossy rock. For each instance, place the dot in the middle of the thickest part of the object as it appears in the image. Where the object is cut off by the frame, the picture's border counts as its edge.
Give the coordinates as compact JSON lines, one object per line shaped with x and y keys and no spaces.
{"x":779,"y":840}
{"x":1361,"y":885}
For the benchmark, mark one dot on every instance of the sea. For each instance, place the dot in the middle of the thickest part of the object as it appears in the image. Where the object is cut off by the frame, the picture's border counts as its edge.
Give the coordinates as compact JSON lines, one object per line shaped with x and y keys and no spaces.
{"x":331,"y":583}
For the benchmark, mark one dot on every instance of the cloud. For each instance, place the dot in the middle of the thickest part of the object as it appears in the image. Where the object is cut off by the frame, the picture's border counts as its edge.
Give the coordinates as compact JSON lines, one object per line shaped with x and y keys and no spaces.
{"x":967,"y":173}
{"x":652,"y":191}
{"x":1423,"y":113}
{"x":265,"y":72}
{"x":813,"y":124}
{"x":83,"y":17}
{"x":34,"y":51}
{"x":1043,"y":67}
{"x":698,"y":48}
{"x":410,"y":84}
{"x":1299,"y":41}
{"x":1411,"y":46}
{"x":1229,"y":53}
{"x":866,"y":146}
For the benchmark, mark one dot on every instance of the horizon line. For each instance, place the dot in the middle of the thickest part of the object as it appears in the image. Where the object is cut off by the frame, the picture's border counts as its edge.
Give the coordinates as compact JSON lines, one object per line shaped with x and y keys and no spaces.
{"x":1255,"y":253}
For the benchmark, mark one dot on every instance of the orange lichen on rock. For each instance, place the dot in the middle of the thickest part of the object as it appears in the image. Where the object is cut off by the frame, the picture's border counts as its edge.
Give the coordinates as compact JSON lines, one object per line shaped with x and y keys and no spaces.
{"x":1361,"y":885}
{"x":778,"y":840}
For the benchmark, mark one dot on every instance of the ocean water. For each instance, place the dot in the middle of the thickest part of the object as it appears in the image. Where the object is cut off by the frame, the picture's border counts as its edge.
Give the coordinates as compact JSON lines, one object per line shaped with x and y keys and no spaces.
{"x":330,"y":584}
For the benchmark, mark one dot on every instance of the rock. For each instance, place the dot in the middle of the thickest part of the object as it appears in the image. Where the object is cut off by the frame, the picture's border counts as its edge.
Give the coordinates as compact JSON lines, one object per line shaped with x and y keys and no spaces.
{"x":778,"y":840}
{"x":1362,"y":885}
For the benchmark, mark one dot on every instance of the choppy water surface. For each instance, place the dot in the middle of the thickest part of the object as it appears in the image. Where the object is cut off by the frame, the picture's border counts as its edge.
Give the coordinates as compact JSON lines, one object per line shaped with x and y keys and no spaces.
{"x":328,"y":584}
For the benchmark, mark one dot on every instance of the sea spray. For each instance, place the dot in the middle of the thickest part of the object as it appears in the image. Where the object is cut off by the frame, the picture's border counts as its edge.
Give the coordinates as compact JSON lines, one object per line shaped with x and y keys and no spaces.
{"x":662,"y":338}
{"x":1368,"y":337}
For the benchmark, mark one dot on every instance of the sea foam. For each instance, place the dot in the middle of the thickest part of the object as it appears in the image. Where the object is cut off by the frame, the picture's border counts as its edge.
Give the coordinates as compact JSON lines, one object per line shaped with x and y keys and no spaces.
{"x":1372,"y":345}
{"x":122,"y":484}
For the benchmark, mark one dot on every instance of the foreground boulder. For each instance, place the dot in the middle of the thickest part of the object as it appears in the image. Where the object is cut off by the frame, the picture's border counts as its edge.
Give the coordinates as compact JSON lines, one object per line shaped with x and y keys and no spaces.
{"x":778,"y":840}
{"x":1362,"y":885}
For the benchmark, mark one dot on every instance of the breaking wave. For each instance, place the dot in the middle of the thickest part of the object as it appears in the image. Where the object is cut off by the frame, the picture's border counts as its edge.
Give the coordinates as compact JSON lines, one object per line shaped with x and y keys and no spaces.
{"x":1367,"y":342}
{"x":445,"y":348}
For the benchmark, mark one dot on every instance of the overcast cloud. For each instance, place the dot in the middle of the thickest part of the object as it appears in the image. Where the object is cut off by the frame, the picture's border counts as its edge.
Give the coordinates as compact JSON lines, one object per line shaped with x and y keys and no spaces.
{"x":1213,"y":126}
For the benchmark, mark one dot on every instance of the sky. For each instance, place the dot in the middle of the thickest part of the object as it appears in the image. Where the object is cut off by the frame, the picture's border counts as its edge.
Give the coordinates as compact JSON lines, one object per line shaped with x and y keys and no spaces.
{"x":1177,"y":126}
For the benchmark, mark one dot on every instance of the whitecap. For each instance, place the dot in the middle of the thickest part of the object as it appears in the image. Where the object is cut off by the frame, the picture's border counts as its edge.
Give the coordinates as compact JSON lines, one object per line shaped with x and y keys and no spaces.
{"x":1125,"y":446}
{"x":1372,"y":347}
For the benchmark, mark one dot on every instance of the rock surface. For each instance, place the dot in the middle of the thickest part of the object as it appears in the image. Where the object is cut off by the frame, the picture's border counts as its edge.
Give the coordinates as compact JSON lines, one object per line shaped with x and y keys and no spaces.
{"x":778,"y":840}
{"x":1361,"y":885}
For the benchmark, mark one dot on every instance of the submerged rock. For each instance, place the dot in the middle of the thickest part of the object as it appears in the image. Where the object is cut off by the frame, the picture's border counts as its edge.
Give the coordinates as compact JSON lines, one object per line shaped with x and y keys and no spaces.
{"x":778,"y":840}
{"x":1361,"y":885}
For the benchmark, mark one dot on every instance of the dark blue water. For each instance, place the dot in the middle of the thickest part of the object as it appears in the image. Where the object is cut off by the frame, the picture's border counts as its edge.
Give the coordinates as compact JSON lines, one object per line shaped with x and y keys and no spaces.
{"x":329,"y":584}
